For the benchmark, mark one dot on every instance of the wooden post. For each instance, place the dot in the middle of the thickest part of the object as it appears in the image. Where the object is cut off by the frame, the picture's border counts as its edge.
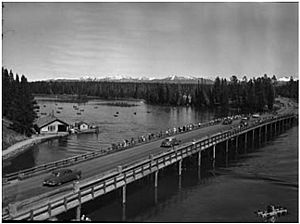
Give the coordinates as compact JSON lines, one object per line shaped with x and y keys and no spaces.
{"x":179,"y":167}
{"x":78,"y":212}
{"x":266,"y":132}
{"x":156,"y":179}
{"x":236,"y":144}
{"x":271,"y":131}
{"x":155,"y":195}
{"x":259,"y":135}
{"x":78,"y":208}
{"x":253,"y":140}
{"x":124,"y":194}
{"x":246,"y":142}
{"x":214,"y":156}
{"x":226,"y":151}
{"x":199,"y":158}
{"x":124,"y":212}
{"x":275,"y":129}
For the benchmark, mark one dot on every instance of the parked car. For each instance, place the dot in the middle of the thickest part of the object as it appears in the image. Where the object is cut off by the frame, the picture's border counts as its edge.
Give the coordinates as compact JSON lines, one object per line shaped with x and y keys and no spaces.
{"x":61,"y":176}
{"x":169,"y":142}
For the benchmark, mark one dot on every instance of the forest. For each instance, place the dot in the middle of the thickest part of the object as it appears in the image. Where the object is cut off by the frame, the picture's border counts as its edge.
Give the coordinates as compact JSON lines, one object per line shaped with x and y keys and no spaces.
{"x":18,"y":104}
{"x":255,"y":94}
{"x":250,"y":95}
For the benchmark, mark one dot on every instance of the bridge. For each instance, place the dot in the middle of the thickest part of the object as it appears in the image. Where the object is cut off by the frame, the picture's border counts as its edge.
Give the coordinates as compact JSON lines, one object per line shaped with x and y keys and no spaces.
{"x":24,"y":198}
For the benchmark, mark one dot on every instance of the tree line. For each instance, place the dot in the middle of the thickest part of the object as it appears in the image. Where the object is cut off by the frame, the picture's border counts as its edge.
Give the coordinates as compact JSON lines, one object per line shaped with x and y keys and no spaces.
{"x":18,"y":104}
{"x":256,"y":94}
{"x":290,"y":89}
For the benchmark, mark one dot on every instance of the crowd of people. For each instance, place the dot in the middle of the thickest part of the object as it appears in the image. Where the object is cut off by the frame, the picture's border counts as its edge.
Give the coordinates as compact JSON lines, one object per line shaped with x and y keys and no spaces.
{"x":162,"y":134}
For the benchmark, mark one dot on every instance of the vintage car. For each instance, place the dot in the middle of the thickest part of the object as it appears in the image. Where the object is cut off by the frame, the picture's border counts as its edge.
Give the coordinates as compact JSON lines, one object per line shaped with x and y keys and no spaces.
{"x":227,"y":121}
{"x":169,"y":142}
{"x":61,"y":176}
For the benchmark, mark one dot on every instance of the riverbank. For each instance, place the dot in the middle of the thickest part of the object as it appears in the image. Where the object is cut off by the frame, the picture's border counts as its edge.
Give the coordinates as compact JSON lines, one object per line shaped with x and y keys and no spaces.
{"x":20,"y":147}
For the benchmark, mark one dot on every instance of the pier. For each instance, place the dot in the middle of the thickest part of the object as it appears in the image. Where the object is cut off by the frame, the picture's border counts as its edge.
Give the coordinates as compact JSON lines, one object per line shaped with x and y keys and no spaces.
{"x":123,"y":168}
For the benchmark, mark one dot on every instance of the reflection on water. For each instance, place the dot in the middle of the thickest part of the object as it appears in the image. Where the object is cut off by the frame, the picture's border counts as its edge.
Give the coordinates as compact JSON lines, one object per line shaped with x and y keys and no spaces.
{"x":131,"y":122}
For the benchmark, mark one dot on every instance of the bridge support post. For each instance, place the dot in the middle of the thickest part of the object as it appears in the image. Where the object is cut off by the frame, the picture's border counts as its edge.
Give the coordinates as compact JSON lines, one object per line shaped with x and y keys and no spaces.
{"x":246,"y":142}
{"x":271,"y":131}
{"x":179,"y":167}
{"x":214,"y":157}
{"x":124,"y":212}
{"x":275,"y":128}
{"x":156,"y":179}
{"x":124,"y":194}
{"x":199,"y":158}
{"x":78,"y":212}
{"x":226,"y":152}
{"x":259,"y":136}
{"x":266,"y":133}
{"x":236,"y":144}
{"x":253,"y":140}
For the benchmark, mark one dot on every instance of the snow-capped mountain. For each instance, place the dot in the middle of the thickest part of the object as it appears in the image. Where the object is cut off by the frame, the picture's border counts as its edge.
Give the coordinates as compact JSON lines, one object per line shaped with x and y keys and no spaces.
{"x":126,"y":78}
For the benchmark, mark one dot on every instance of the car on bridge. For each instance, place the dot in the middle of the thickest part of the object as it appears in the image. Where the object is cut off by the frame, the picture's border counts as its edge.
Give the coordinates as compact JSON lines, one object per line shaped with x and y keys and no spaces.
{"x":227,"y":120}
{"x":170,"y":142}
{"x":61,"y":176}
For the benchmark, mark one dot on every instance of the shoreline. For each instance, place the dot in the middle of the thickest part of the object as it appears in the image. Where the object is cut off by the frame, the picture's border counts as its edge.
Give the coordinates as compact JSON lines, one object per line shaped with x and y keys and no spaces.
{"x":18,"y":148}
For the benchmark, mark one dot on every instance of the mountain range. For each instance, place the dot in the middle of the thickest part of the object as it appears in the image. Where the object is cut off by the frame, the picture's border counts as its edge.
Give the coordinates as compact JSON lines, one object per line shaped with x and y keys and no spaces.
{"x":121,"y":78}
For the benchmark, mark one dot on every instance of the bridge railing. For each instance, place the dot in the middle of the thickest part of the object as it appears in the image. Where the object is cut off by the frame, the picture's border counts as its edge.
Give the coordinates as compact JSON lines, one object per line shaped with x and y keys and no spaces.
{"x":23,"y":174}
{"x":99,"y":185}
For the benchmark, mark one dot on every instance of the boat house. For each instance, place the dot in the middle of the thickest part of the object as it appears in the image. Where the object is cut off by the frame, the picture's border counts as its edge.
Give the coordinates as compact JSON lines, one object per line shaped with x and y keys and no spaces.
{"x":51,"y":125}
{"x":82,"y":125}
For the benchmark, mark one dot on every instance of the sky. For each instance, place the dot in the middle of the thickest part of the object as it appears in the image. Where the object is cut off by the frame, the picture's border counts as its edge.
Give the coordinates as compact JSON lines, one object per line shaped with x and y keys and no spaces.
{"x":73,"y":40}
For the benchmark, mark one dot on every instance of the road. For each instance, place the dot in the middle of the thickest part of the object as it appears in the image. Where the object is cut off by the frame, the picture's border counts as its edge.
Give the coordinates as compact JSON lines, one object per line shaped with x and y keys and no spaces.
{"x":33,"y":186}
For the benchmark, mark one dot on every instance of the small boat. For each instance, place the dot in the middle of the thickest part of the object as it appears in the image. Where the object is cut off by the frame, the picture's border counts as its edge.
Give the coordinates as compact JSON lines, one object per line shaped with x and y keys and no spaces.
{"x":58,"y":112}
{"x":115,"y":115}
{"x":134,"y":113}
{"x":117,"y":112}
{"x":95,"y":107}
{"x":44,"y":105}
{"x":78,"y":113}
{"x":81,"y":110}
{"x":272,"y":213}
{"x":148,"y":112}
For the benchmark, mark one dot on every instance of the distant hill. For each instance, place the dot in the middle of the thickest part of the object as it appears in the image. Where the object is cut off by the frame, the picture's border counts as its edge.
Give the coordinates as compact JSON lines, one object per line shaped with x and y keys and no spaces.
{"x":121,"y":78}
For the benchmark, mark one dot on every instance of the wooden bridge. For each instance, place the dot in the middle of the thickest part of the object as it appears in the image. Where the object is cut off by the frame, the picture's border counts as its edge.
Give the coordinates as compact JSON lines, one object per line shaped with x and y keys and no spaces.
{"x":63,"y":199}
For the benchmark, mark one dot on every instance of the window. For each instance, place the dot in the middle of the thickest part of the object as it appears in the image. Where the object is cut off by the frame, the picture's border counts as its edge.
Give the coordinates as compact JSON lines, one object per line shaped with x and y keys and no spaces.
{"x":51,"y":128}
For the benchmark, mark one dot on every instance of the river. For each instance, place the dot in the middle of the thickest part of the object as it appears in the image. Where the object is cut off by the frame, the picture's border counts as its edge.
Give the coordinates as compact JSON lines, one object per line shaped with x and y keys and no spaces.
{"x":132,"y":121}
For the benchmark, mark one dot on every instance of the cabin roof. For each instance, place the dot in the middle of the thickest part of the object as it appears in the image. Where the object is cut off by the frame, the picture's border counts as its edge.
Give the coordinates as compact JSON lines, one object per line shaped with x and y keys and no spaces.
{"x":43,"y":121}
{"x":82,"y":122}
